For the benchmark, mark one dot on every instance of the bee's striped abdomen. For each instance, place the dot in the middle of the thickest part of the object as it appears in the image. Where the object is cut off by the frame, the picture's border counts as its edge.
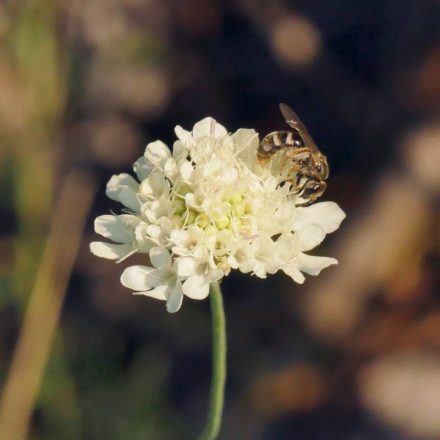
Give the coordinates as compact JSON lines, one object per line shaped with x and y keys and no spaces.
{"x":279,"y":140}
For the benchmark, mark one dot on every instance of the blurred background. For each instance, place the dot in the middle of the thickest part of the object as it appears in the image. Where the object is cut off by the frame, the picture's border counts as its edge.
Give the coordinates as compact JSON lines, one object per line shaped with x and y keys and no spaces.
{"x":353,"y":354}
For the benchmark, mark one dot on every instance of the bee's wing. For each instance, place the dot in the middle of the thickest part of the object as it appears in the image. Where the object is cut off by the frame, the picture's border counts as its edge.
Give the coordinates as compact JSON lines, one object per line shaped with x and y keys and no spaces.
{"x":293,"y":121}
{"x":289,"y":115}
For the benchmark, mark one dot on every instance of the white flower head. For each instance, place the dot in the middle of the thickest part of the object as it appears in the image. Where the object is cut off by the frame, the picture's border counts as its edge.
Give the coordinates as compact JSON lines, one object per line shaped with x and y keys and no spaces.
{"x":206,"y":208}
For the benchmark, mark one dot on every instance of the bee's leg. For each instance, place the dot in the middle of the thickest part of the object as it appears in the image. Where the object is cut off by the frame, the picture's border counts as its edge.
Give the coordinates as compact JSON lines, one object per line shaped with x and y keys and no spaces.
{"x":298,"y":182}
{"x":289,"y":165}
{"x":312,"y":190}
{"x":304,"y":203}
{"x":299,"y":155}
{"x":308,"y":187}
{"x":299,"y":158}
{"x":298,"y":151}
{"x":300,"y":192}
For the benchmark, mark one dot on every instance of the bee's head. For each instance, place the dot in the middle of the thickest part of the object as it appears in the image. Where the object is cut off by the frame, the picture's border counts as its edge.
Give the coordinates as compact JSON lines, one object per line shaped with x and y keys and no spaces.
{"x":321,"y":166}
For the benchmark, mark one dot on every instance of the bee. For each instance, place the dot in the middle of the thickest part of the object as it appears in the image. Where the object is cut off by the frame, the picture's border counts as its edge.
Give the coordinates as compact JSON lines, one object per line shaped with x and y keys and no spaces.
{"x":303,"y":165}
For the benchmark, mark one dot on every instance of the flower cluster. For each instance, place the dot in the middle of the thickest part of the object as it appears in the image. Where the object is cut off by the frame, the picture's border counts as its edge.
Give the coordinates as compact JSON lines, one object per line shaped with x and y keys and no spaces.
{"x":206,"y":208}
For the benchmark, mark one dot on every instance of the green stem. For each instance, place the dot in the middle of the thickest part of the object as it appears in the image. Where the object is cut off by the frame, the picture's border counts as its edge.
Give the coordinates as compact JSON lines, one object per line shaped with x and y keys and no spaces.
{"x":218,"y":379}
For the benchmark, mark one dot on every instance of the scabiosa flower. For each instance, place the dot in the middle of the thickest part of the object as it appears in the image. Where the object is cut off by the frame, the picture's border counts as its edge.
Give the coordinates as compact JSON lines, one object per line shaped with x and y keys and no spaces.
{"x":206,"y":208}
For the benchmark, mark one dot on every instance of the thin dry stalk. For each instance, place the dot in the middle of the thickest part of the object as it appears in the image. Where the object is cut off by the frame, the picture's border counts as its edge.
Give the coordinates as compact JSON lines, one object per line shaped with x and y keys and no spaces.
{"x":43,"y":311}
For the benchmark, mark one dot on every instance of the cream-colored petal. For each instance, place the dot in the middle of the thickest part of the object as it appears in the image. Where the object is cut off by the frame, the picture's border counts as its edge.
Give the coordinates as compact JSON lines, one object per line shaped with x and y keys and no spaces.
{"x":232,"y":261}
{"x":313,"y":265}
{"x":143,"y":241}
{"x":214,"y":275}
{"x":116,"y":228}
{"x":286,"y":246}
{"x":186,"y":170}
{"x":110,"y":250}
{"x":159,"y":292}
{"x":170,"y":168}
{"x":246,"y":143}
{"x":139,"y":278}
{"x":259,"y":270}
{"x":190,"y":201}
{"x":122,"y":179}
{"x":160,"y":257}
{"x":295,"y":274}
{"x":157,"y":153}
{"x":179,"y":150}
{"x":243,"y":136}
{"x":142,"y":168}
{"x":154,"y":186}
{"x":208,"y":127}
{"x":175,"y":298}
{"x":196,"y":287}
{"x":309,"y":236}
{"x":185,"y":266}
{"x":129,"y":199}
{"x":123,"y":188}
{"x":328,"y":215}
{"x":246,"y":265}
{"x":153,"y":231}
{"x":184,"y":136}
{"x":145,"y":277}
{"x":178,"y":235}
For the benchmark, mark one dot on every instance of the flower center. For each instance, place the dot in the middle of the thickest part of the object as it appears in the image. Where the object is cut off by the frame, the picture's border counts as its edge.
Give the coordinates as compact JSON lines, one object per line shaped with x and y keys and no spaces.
{"x":228,"y":211}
